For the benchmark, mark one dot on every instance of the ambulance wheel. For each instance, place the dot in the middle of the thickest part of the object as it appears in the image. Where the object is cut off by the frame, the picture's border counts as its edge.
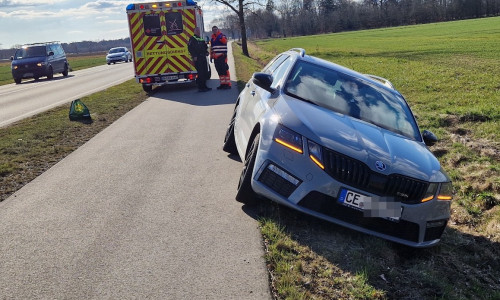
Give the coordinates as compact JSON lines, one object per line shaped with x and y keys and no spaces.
{"x":147,"y":88}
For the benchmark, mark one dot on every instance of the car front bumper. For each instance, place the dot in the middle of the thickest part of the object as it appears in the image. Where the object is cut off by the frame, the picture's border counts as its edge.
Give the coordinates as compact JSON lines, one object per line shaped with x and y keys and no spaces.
{"x":292,"y":179}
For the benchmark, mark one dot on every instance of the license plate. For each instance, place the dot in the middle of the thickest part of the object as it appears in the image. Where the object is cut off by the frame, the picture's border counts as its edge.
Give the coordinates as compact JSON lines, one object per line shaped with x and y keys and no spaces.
{"x":353,"y":199}
{"x":171,"y":77}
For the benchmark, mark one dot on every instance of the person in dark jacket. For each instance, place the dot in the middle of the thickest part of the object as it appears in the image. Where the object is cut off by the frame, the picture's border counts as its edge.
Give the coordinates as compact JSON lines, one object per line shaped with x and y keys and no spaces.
{"x":198,"y":49}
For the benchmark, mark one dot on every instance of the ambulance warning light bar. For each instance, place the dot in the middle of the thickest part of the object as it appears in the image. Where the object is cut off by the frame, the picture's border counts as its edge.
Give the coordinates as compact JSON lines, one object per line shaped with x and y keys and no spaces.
{"x":159,"y":5}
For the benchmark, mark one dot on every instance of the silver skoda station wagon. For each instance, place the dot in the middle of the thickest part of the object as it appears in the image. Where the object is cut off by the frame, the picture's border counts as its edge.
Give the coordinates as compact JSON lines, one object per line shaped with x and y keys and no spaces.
{"x":341,"y":146}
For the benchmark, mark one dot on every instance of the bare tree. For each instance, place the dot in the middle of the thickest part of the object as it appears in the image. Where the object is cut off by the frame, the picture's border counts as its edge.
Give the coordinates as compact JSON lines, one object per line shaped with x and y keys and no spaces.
{"x":239,"y":7}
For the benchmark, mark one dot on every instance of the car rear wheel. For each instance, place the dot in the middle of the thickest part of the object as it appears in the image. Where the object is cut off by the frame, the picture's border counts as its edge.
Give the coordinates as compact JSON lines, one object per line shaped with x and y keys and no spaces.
{"x":65,"y":71}
{"x":229,"y":142}
{"x":245,"y":192}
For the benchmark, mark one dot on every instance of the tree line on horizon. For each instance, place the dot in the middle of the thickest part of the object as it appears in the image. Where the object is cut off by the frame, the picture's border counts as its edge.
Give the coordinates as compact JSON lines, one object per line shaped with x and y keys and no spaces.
{"x":281,"y":18}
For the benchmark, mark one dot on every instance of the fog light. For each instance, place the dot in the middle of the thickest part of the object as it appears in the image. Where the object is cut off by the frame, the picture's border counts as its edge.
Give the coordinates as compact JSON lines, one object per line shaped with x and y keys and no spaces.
{"x":438,"y":223}
{"x":279,"y":180}
{"x":283,"y":174}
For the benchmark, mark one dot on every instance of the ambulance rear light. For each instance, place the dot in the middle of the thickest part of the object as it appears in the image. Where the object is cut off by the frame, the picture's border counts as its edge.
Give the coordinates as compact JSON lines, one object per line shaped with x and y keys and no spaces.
{"x":146,"y":80}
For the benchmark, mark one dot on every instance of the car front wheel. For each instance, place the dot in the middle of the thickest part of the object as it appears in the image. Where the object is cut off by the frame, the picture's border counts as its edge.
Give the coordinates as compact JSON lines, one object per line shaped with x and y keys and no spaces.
{"x":245,"y":192}
{"x":50,"y":73}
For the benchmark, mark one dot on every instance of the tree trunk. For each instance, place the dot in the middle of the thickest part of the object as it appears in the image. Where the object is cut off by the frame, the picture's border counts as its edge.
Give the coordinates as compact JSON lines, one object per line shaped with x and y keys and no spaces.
{"x":241,"y":15}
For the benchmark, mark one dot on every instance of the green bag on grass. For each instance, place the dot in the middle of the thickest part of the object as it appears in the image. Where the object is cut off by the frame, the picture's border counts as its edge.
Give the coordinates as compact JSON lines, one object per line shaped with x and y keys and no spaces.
{"x":78,"y":111}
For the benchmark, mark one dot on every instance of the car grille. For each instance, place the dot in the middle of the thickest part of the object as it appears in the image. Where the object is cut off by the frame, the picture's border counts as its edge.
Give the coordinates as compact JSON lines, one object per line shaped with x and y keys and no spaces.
{"x":357,"y":174}
{"x":328,"y":205}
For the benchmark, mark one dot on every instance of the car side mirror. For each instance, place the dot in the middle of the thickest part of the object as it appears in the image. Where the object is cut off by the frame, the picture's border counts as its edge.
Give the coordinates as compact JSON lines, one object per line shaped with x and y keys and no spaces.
{"x":51,"y":53}
{"x":429,"y":138}
{"x":12,"y":58}
{"x":264,"y":81}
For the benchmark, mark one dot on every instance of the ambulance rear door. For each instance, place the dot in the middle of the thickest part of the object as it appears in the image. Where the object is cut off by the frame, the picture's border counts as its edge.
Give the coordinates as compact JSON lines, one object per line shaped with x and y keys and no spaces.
{"x":159,"y":35}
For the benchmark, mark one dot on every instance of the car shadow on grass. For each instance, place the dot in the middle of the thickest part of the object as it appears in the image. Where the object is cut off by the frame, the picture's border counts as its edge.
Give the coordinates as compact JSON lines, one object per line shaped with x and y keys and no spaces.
{"x":189,"y":94}
{"x":461,"y":266}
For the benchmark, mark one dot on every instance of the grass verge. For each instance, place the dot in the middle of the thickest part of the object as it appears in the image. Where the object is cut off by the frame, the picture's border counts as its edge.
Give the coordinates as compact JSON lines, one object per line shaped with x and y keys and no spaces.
{"x":31,"y":146}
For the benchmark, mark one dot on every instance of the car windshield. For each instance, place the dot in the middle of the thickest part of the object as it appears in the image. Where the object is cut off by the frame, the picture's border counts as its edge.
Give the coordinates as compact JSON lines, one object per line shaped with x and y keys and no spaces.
{"x":30,"y":52}
{"x":116,"y":50}
{"x":351,"y":96}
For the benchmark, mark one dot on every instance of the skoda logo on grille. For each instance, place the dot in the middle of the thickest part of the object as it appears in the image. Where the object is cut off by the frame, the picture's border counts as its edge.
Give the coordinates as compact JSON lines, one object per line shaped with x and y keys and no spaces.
{"x":380,"y":165}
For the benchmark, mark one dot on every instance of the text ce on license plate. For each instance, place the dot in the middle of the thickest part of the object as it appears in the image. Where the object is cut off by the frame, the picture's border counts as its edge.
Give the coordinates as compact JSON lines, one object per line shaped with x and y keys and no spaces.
{"x":353,"y":199}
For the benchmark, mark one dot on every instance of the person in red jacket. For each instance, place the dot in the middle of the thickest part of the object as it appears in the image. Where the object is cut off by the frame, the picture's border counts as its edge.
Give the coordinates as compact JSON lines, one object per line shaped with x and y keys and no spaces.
{"x":218,"y":53}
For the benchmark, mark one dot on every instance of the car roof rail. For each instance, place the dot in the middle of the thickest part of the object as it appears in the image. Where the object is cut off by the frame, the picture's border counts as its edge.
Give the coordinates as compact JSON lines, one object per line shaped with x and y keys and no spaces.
{"x":384,"y":81}
{"x":42,"y":43}
{"x":300,"y":50}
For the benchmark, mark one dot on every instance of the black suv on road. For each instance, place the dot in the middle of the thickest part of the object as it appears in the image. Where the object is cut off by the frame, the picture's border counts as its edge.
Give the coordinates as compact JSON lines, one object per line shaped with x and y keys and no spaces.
{"x":38,"y":60}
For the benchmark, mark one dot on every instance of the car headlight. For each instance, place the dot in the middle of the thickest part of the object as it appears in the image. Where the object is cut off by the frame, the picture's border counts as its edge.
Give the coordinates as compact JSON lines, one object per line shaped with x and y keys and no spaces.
{"x":430,"y":193}
{"x":445,"y":192}
{"x":289,"y":139}
{"x":40,"y":64}
{"x":315,"y":153}
{"x":15,"y":67}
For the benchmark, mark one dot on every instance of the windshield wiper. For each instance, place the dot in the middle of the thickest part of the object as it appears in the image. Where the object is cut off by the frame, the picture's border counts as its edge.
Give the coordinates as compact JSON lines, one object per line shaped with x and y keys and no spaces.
{"x":300,"y":98}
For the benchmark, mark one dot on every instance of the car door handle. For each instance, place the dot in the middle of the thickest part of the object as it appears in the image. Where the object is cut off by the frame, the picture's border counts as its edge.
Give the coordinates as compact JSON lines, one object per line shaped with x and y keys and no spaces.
{"x":253,"y":93}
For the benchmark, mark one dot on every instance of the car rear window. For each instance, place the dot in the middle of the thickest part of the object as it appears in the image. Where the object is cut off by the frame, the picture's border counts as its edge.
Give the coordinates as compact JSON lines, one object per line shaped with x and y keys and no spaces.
{"x":351,"y":96}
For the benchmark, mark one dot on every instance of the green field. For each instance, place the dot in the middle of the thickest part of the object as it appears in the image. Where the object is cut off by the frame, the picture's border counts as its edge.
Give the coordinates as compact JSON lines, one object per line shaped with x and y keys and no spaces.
{"x":449,"y":74}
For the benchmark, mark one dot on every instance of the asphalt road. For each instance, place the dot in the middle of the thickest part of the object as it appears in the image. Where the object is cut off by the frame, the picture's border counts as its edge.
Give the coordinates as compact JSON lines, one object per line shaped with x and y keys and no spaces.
{"x":144,"y":210}
{"x":18,"y":101}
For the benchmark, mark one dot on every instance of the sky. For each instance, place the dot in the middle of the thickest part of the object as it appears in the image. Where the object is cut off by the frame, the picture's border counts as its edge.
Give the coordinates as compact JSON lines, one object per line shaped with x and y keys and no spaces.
{"x":30,"y":21}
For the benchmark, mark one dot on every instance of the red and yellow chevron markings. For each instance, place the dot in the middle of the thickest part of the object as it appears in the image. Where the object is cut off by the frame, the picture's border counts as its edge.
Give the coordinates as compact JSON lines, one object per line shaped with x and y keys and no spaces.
{"x":165,"y":53}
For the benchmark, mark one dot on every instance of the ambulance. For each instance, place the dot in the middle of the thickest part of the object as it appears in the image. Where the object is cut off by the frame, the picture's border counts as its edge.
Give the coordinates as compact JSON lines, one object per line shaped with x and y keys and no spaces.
{"x":159,"y":35}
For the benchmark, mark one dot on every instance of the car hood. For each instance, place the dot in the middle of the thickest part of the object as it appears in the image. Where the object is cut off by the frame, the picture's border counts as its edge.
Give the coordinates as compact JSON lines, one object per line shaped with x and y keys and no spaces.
{"x":360,"y":140}
{"x":28,"y":60}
